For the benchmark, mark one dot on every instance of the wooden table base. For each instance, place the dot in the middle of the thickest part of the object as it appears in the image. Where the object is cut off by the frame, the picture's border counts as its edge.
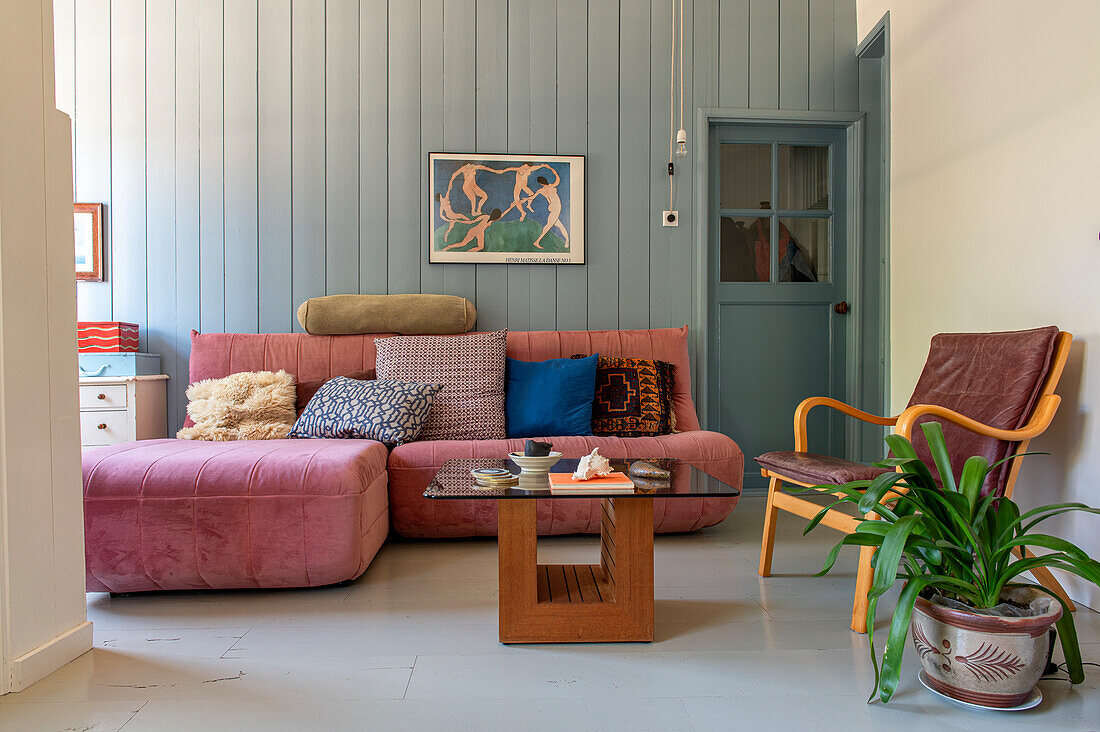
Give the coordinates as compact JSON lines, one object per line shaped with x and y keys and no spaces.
{"x":569,"y":603}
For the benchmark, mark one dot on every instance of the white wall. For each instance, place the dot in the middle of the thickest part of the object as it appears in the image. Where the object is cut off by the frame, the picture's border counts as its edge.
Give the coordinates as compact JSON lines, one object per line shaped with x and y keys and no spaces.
{"x":42,"y":602}
{"x":995,"y":207}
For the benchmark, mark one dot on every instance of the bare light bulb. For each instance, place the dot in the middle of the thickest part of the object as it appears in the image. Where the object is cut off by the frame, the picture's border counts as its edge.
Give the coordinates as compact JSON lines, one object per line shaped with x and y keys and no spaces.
{"x":681,"y":144}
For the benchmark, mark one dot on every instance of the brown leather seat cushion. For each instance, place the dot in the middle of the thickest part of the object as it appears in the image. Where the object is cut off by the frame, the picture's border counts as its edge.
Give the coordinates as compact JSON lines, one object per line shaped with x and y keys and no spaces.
{"x":809,"y":467}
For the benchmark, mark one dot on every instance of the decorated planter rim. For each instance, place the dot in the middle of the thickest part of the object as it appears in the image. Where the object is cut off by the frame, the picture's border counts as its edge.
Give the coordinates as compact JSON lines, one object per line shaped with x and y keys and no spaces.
{"x":1034,"y":625}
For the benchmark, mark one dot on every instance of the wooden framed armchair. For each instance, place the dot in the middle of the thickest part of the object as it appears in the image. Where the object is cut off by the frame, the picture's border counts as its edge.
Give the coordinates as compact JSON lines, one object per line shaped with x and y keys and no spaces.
{"x":992,"y":392}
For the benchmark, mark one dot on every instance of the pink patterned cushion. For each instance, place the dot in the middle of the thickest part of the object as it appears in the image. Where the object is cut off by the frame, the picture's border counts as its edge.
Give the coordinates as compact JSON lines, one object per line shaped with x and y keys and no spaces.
{"x":471,"y":369}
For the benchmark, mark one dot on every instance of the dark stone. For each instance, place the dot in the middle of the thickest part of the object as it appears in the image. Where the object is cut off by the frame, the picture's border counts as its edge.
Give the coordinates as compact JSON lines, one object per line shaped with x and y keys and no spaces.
{"x":534,"y":448}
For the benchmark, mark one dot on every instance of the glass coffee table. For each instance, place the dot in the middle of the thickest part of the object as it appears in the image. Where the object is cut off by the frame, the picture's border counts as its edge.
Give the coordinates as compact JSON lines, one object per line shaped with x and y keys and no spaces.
{"x":569,"y":603}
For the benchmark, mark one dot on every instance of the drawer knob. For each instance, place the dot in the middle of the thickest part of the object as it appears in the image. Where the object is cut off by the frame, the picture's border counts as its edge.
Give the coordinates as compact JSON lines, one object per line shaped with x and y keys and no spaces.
{"x":101,"y":396}
{"x":101,"y":426}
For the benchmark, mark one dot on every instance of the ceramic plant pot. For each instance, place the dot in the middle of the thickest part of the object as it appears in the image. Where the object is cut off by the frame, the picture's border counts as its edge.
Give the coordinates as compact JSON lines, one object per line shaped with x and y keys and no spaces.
{"x":981,"y":659}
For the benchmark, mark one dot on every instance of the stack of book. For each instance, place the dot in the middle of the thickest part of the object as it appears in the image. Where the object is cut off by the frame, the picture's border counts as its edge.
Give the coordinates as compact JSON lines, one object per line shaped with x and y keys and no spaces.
{"x":565,"y":483}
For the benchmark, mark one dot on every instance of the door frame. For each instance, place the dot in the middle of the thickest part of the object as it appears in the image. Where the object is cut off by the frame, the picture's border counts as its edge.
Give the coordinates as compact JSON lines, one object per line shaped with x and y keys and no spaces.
{"x":853,"y":124}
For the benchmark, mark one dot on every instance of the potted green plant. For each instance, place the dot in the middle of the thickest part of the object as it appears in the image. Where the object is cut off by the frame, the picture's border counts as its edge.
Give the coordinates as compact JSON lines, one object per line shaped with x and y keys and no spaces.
{"x":981,"y":632}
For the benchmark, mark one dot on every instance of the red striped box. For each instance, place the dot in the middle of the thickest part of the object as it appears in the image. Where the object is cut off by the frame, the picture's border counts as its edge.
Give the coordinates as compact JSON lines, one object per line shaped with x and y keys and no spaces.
{"x":106,"y":337}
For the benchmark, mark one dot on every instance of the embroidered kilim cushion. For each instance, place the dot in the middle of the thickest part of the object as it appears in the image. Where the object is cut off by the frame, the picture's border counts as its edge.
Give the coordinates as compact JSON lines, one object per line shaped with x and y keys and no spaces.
{"x":471,"y":370}
{"x":392,"y":412}
{"x":633,"y":397}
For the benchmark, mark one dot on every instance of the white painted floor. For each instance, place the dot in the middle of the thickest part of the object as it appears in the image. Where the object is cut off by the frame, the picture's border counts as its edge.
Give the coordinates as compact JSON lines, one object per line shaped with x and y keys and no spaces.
{"x":412,"y":646}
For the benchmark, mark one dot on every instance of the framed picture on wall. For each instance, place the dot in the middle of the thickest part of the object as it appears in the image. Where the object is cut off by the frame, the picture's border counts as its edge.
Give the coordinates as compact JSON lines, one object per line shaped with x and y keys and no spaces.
{"x":88,"y":230}
{"x":505,"y":209}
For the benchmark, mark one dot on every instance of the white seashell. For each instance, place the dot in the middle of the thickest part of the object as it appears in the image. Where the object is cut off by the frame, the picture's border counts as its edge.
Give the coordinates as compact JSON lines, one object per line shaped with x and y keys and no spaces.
{"x":592,"y":465}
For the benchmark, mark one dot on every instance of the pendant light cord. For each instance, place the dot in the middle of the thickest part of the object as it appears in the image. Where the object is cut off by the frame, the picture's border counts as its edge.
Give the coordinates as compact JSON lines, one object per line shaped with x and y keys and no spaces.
{"x":672,"y":132}
{"x":681,"y":64}
{"x":671,"y":99}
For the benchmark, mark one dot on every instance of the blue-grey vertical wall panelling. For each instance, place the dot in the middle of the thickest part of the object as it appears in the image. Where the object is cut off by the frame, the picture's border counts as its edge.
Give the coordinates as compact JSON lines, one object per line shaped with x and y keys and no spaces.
{"x":373,"y":146}
{"x":128,"y":164}
{"x":186,"y":285}
{"x":541,"y":54}
{"x":519,"y":141}
{"x":308,"y":112}
{"x":491,"y":135}
{"x":160,"y":196}
{"x":602,"y":166}
{"x":634,"y":163}
{"x":211,"y":152}
{"x":431,"y":124}
{"x":253,"y":153}
{"x":92,"y":138}
{"x":276,"y":301}
{"x":241,"y":168}
{"x":341,"y":136}
{"x":460,"y":34}
{"x":402,"y":240}
{"x":572,"y":139}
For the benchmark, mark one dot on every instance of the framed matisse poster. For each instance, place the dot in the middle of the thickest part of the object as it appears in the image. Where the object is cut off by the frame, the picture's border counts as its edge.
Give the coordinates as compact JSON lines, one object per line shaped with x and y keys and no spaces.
{"x":505,"y":209}
{"x":88,"y":233}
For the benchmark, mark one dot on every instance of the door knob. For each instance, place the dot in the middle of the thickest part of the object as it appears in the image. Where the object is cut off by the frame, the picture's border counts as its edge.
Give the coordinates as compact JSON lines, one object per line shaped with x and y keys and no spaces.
{"x":841,"y":308}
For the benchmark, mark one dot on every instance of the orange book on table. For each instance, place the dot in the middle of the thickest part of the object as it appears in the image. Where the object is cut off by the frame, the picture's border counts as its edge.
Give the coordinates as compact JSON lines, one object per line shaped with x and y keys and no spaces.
{"x":613,"y":483}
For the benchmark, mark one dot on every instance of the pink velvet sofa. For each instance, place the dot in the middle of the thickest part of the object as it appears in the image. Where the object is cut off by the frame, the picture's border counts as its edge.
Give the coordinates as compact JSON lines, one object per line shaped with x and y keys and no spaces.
{"x":178,"y":514}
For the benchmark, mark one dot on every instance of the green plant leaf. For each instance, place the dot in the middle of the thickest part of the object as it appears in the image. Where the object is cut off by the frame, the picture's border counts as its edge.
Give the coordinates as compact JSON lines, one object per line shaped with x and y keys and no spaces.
{"x":1043,"y":512}
{"x":1088,"y":569}
{"x":889,"y":553}
{"x":1024,"y":528}
{"x":1045,"y":541}
{"x":1017,"y":456}
{"x":848,"y":540}
{"x":971,"y":481}
{"x":937,"y":445}
{"x":879,"y":487}
{"x":821,"y":515}
{"x":904,"y":448}
{"x":887,"y":681}
{"x":1071,"y":647}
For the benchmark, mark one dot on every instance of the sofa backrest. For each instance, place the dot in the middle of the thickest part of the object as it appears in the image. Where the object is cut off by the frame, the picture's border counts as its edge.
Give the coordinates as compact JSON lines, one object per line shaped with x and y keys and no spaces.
{"x":214,"y":355}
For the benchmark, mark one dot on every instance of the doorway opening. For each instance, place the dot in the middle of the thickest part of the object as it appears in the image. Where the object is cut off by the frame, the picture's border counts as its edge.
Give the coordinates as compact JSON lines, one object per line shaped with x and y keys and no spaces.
{"x":792,"y":297}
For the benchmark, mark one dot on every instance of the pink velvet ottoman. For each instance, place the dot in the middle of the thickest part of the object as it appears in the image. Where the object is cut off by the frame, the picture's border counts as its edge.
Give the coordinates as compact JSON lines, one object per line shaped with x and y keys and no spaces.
{"x":180,"y":514}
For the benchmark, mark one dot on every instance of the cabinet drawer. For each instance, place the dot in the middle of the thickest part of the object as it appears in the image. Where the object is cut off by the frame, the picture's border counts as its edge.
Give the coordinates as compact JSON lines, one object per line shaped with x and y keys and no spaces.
{"x":103,"y":428}
{"x":103,"y":396}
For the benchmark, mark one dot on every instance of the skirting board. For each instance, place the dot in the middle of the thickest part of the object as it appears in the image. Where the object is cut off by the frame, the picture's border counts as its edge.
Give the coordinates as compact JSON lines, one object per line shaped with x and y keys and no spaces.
{"x":49,"y":657}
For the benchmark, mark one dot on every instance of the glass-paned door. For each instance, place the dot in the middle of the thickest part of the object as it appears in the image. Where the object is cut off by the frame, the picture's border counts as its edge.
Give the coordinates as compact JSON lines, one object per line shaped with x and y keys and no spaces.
{"x":778,"y":242}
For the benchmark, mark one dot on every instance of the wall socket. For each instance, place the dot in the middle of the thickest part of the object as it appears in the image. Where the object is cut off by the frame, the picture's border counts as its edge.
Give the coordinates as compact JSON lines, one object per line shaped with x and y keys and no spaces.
{"x":670,"y":218}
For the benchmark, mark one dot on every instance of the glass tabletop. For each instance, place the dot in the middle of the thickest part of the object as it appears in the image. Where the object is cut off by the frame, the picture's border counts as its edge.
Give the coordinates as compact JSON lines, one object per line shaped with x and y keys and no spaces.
{"x":686,"y":481}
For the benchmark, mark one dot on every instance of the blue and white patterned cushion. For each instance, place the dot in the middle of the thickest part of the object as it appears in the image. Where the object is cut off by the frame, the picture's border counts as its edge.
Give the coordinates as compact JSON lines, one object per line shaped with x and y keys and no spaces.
{"x":392,"y":412}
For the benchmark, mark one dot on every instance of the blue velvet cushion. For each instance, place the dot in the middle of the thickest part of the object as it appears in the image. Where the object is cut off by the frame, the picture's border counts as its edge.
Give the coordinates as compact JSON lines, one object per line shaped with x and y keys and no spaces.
{"x":392,"y":412}
{"x":548,"y":398}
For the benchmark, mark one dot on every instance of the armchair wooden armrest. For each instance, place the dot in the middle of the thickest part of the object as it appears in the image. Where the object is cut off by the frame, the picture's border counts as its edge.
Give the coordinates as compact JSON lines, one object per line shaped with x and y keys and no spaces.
{"x":802,"y":413}
{"x":1041,"y":418}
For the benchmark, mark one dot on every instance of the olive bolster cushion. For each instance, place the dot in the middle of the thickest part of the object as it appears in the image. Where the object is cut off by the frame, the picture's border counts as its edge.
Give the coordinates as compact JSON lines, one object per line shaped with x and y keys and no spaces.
{"x":403,"y":314}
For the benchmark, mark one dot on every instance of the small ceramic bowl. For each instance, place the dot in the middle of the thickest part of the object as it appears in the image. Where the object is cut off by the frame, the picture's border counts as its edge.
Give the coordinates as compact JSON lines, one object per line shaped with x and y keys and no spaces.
{"x":534,"y":464}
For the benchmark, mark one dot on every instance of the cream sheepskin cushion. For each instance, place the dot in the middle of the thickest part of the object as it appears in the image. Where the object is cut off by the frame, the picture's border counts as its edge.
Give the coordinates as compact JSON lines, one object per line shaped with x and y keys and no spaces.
{"x":253,"y":405}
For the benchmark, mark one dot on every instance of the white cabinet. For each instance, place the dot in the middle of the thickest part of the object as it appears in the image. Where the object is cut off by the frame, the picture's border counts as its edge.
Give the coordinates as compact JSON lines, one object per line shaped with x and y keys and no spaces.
{"x":122,"y":408}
